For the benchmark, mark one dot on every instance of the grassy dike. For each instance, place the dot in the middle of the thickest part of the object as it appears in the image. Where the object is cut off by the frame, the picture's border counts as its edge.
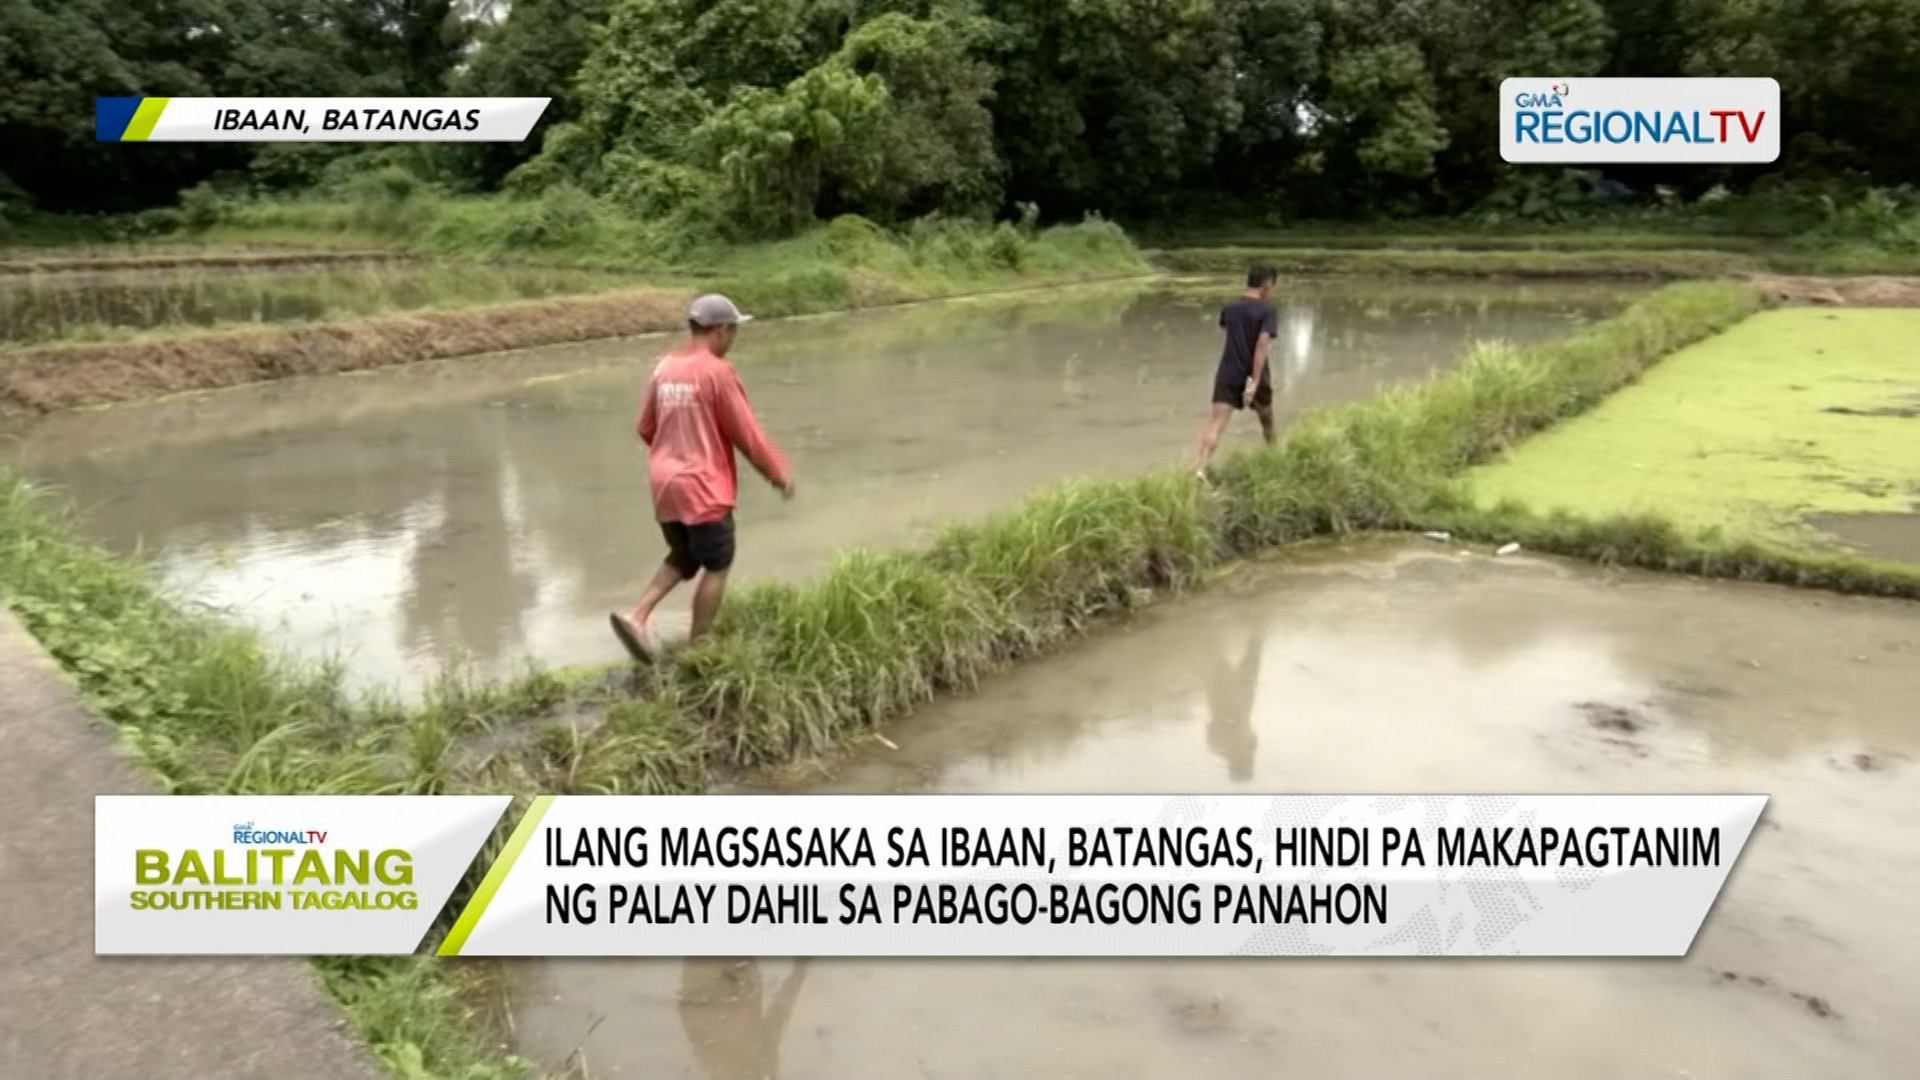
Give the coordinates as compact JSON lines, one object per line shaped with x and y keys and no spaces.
{"x":798,"y":668}
{"x":1567,"y":258}
{"x":846,"y":263}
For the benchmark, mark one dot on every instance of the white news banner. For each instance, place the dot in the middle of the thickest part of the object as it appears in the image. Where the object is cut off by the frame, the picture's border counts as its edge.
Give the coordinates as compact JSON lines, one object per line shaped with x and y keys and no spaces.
{"x":1116,"y":875}
{"x":292,"y":119}
{"x":919,"y":875}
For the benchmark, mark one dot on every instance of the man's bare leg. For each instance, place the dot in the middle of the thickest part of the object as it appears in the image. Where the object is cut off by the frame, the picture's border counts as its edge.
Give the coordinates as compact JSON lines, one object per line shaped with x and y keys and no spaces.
{"x":706,"y":602}
{"x":1210,"y":436}
{"x":1265,"y":413}
{"x":665,"y":580}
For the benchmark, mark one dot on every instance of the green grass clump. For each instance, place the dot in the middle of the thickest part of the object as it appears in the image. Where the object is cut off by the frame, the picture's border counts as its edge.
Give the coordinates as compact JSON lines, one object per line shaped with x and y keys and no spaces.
{"x":1650,"y":541}
{"x":930,"y":257}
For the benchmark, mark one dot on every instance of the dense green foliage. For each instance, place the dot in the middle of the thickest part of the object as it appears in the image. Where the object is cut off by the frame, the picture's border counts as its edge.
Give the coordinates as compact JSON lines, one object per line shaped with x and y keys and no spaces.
{"x":57,"y":55}
{"x":751,"y":116}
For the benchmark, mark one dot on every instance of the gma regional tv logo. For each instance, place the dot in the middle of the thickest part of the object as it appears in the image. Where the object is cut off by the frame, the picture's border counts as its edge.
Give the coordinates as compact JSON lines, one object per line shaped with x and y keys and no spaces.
{"x":1598,"y":121}
{"x":273,"y":869}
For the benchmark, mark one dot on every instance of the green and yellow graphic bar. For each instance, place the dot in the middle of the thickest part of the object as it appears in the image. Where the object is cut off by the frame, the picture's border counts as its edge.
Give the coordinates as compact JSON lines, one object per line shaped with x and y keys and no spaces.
{"x":497,"y":873}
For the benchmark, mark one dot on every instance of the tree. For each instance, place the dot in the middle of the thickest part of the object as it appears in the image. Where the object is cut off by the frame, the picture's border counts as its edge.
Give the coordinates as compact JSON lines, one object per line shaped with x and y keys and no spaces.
{"x":1113,"y":104}
{"x":1846,"y":70}
{"x":402,"y":48}
{"x":933,"y":144}
{"x":56,"y":56}
{"x":533,"y":52}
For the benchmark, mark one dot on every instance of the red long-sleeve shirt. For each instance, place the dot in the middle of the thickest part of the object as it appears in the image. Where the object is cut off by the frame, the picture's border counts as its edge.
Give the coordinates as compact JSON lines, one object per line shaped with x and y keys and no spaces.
{"x":692,"y":418}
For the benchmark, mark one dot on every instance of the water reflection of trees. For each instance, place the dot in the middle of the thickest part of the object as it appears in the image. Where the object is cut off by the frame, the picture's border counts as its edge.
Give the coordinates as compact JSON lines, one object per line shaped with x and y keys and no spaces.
{"x":468,"y":587}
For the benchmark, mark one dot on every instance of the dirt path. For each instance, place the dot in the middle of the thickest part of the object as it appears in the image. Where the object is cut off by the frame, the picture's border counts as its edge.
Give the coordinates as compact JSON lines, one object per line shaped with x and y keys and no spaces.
{"x":222,"y":260}
{"x":42,"y":380}
{"x":1842,"y":291}
{"x":66,"y":1014}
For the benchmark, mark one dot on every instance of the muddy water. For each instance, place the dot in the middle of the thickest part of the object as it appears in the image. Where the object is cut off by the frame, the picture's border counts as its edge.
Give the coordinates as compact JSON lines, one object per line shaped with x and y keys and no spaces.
{"x":491,"y":510}
{"x":1384,"y":668}
{"x":1886,"y":535}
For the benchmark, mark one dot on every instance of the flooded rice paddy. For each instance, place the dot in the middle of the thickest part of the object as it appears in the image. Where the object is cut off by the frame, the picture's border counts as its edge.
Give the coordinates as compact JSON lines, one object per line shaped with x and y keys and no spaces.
{"x":1391,"y":667}
{"x":489,"y":511}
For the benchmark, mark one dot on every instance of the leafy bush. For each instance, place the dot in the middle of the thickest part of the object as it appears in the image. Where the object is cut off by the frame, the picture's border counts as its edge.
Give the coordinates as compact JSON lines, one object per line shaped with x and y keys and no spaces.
{"x":652,"y":189}
{"x":1885,"y":218}
{"x":562,"y":216}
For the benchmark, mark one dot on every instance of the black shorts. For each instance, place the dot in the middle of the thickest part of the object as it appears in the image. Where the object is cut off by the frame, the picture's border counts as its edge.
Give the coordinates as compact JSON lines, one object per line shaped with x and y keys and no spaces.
{"x":1234,"y":394}
{"x":693,"y":548}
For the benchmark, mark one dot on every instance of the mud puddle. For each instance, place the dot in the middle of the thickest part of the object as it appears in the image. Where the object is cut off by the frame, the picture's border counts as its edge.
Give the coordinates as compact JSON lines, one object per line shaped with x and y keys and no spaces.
{"x":492,"y":510}
{"x":1380,"y":668}
{"x":1885,"y":536}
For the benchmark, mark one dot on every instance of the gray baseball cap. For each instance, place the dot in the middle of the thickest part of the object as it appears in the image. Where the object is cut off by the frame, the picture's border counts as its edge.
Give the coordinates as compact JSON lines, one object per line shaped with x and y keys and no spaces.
{"x":715,"y":310}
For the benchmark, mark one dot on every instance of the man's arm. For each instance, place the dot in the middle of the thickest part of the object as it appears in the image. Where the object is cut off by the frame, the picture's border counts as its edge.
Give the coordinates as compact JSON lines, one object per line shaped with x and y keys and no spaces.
{"x":649,"y":423}
{"x":1269,"y":329}
{"x":737,"y":422}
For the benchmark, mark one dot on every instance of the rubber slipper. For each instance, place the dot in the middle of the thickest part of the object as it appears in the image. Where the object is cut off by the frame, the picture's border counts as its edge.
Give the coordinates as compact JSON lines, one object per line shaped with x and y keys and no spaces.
{"x":635,"y":646}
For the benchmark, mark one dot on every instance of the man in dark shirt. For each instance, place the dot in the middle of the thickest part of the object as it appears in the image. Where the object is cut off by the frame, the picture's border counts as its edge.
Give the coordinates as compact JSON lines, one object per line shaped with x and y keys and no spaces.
{"x":1242,"y":379}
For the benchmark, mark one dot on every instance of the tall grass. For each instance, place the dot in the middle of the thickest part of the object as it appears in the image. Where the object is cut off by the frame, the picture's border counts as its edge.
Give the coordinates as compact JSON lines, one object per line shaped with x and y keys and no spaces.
{"x":41,"y":307}
{"x":798,"y":668}
{"x":567,"y":225}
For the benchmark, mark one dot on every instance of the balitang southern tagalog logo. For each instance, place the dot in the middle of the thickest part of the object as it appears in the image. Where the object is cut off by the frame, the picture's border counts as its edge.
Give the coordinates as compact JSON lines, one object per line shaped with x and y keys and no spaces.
{"x":274,"y":869}
{"x":280,"y":875}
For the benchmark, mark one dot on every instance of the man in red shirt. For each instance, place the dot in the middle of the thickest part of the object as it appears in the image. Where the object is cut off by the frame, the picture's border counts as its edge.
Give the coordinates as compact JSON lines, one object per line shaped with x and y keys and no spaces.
{"x":692,"y":419}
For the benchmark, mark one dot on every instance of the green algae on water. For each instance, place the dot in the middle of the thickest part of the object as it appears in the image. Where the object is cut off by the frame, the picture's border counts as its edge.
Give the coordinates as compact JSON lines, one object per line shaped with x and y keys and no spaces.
{"x":1790,"y":413}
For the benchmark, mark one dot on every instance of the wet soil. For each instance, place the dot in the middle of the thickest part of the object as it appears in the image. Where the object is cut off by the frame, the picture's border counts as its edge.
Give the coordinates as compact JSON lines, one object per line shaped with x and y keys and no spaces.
{"x":494,"y":510}
{"x":1384,"y":667}
{"x":40,"y":380}
{"x":1866,"y":291}
{"x":1888,"y":536}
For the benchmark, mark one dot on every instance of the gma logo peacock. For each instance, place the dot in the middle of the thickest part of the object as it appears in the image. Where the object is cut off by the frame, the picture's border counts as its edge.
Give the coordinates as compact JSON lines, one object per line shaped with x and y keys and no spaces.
{"x":1554,"y":97}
